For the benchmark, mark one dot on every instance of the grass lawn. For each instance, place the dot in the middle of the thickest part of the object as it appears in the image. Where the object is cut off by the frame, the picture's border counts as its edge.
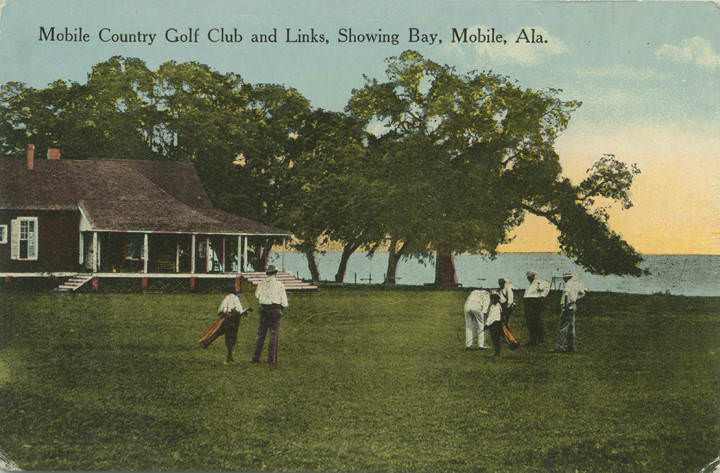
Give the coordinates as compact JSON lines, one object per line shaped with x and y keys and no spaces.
{"x":369,"y":380}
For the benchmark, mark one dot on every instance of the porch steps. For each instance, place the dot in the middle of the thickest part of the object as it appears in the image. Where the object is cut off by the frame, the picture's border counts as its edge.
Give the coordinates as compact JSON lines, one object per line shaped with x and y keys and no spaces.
{"x":73,"y":284}
{"x":290,"y":282}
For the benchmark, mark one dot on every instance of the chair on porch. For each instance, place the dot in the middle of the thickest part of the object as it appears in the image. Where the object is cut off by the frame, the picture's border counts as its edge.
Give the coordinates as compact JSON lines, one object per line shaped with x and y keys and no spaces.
{"x":164,"y":266}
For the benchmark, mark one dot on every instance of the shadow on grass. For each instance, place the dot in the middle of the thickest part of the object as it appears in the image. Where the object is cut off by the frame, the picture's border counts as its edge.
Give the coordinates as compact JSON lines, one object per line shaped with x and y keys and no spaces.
{"x":70,"y":434}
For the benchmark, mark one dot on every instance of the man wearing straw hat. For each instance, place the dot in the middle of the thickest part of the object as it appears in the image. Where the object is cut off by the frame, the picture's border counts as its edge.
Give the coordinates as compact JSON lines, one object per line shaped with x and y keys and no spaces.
{"x":534,"y":304}
{"x":273,"y":299}
{"x":574,"y":291}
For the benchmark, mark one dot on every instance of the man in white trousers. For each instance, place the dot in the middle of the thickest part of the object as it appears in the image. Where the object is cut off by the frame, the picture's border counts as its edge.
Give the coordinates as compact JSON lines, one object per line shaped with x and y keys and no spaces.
{"x":573,"y":292}
{"x":476,"y":308}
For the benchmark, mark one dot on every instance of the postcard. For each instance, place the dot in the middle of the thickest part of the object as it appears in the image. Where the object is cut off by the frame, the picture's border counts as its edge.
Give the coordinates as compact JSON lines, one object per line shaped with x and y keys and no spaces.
{"x":359,"y":236}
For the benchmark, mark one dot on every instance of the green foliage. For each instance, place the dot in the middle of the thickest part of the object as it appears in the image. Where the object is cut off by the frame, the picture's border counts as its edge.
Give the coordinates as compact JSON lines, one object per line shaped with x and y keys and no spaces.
{"x":459,"y":160}
{"x":610,"y":179}
{"x":239,"y":136}
{"x":584,"y":231}
{"x":110,"y":116}
{"x":586,"y":238}
{"x":464,"y":156}
{"x":329,"y":193}
{"x":369,"y":380}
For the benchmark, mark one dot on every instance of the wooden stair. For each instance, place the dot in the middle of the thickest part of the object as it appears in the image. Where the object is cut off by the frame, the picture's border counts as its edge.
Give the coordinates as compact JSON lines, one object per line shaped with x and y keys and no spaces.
{"x":290,"y":282}
{"x":73,"y":284}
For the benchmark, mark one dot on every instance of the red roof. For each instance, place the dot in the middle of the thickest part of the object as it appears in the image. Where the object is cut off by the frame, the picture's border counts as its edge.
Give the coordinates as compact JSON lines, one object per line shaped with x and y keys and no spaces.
{"x":117,"y":194}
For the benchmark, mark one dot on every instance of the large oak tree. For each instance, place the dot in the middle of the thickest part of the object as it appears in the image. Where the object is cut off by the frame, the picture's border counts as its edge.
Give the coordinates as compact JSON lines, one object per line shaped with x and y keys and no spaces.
{"x":464,"y":157}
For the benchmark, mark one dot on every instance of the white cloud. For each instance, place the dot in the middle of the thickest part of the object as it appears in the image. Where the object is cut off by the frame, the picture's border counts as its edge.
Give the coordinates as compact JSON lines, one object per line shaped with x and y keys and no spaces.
{"x":695,"y":50}
{"x":612,"y":99}
{"x":618,"y":72}
{"x":526,"y":47}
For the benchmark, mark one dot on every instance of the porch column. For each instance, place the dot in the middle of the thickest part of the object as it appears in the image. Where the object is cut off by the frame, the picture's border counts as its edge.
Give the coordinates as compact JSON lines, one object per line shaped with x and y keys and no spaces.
{"x":239,"y":254}
{"x":81,"y":257}
{"x":208,"y":258}
{"x":145,"y":253}
{"x":192,"y":254}
{"x":223,"y":256}
{"x":95,"y":249}
{"x":177,"y":254}
{"x":245,"y":253}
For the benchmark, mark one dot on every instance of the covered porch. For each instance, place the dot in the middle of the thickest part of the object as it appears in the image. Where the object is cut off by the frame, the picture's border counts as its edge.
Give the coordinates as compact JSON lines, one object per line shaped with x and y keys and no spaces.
{"x":111,"y":252}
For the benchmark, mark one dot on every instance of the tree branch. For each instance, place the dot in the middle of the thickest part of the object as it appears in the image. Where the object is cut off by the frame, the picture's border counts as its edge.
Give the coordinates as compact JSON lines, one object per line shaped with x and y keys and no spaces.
{"x":551,"y":217}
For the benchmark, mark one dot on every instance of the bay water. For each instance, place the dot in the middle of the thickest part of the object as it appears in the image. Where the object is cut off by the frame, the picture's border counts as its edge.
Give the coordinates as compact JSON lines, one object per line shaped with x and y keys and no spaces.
{"x":689,"y":275}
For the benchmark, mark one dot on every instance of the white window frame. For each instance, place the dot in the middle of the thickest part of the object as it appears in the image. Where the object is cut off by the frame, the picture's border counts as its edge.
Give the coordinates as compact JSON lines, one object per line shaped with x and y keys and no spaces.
{"x":3,"y":234}
{"x":16,"y":235}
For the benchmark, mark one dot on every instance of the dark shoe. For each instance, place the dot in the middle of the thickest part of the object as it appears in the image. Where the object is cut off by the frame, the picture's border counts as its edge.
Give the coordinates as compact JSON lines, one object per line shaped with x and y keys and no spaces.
{"x":255,"y":362}
{"x":273,"y":366}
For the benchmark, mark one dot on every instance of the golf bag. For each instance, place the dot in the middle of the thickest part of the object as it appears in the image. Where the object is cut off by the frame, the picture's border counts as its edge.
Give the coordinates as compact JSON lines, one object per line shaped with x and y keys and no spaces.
{"x":510,"y":338}
{"x":226,"y":322}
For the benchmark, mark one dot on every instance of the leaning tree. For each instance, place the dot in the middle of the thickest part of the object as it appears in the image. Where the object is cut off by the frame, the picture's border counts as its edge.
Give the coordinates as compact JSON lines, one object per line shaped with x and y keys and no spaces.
{"x":465,"y":157}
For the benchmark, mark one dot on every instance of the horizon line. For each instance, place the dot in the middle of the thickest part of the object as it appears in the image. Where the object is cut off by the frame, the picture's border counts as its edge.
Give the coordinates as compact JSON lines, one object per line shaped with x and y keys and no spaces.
{"x":517,"y":252}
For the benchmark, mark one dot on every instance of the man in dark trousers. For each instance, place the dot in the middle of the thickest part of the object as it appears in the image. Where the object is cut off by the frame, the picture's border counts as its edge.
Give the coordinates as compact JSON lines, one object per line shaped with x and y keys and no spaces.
{"x":534,"y":298}
{"x":507,"y":299}
{"x":230,"y":311}
{"x":273,"y":299}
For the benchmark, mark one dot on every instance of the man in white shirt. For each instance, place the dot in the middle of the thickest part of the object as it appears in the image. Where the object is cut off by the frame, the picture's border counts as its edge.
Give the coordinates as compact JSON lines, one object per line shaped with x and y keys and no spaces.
{"x":230,"y":310}
{"x":476,"y":307}
{"x":574,"y":291}
{"x":494,"y":322}
{"x":273,"y":299}
{"x":507,"y":299}
{"x":534,"y":299}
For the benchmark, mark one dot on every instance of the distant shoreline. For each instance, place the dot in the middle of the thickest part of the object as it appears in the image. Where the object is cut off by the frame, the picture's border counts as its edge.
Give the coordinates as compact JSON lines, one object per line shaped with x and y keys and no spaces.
{"x":509,"y":253}
{"x":678,"y":274}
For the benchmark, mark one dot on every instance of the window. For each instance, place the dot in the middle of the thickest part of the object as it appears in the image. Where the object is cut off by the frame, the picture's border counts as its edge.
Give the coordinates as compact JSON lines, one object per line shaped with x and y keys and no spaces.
{"x":24,"y":235}
{"x":3,"y":234}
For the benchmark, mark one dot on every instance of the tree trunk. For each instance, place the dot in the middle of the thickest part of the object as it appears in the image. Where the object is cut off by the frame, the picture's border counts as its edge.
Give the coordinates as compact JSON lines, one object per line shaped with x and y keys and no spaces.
{"x":348,"y":250}
{"x":261,"y":255}
{"x":445,"y":274}
{"x":265,"y":255}
{"x":394,"y":256}
{"x":312,"y":265}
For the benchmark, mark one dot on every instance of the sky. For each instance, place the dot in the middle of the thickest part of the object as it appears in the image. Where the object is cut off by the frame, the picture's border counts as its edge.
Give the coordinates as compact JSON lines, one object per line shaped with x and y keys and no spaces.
{"x":648,"y":74}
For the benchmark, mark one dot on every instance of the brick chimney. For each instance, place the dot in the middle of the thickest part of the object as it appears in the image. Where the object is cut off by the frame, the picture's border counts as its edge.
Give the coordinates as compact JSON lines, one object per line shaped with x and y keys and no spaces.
{"x":31,"y":157}
{"x":54,"y":154}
